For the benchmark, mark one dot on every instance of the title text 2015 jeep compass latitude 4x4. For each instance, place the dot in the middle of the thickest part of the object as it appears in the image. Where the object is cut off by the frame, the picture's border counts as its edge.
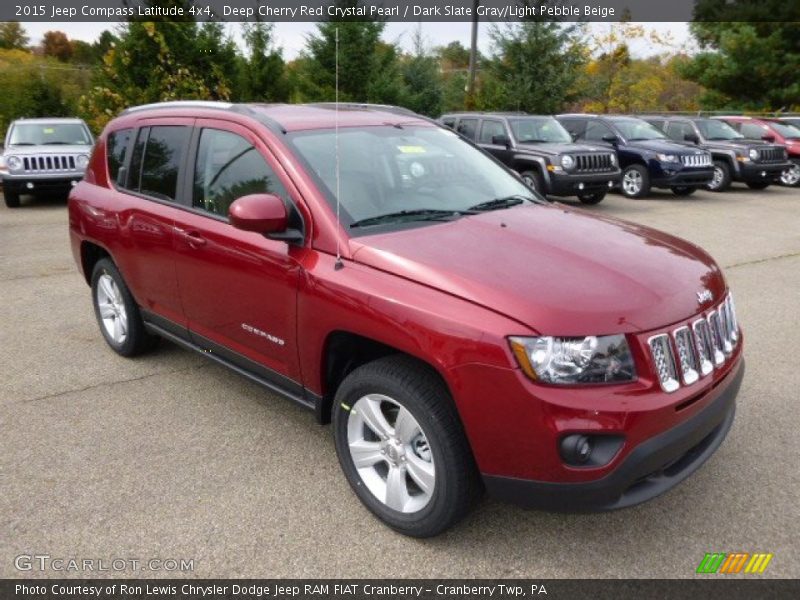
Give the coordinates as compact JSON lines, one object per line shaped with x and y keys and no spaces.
{"x":460,"y":331}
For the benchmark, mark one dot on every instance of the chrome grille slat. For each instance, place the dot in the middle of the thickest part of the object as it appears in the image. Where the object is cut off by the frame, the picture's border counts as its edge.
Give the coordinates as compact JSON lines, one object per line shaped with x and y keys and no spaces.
{"x":692,"y":352}
{"x":696,"y":160}
{"x":51,"y":163}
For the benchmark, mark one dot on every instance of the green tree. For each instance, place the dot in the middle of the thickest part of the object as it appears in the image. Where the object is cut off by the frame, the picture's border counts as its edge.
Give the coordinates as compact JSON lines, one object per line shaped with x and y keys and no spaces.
{"x":535,"y":67}
{"x":261,"y":72}
{"x":12,"y":36}
{"x":453,"y":62}
{"x":363,"y":61}
{"x":748,"y":65}
{"x":423,"y":85}
{"x":57,"y":45}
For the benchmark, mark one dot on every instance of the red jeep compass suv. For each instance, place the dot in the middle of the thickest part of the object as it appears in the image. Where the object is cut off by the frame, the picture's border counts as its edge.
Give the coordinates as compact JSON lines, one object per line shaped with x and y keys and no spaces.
{"x":376,"y":268}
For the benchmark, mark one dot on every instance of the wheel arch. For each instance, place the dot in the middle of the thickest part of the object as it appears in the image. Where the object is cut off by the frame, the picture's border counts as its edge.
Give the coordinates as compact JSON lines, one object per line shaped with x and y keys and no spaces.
{"x":91,"y":253}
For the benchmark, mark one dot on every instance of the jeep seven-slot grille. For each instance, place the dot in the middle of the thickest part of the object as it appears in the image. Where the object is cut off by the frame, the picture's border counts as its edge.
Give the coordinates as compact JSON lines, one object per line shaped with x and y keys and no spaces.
{"x":770,"y":154}
{"x":696,"y":160}
{"x":594,"y":162}
{"x":49,"y":162}
{"x":690,"y":353}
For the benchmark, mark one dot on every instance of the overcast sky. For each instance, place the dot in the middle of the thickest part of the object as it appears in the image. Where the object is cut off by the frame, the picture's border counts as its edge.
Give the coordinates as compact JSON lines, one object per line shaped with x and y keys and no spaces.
{"x":291,"y":36}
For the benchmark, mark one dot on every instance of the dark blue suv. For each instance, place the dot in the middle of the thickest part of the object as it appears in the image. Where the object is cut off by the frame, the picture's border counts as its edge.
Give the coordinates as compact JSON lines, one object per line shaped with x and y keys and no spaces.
{"x":647,"y":157}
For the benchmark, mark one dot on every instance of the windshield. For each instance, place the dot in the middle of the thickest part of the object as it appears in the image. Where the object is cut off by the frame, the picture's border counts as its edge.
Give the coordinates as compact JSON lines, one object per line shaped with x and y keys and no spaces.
{"x":788,"y":131}
{"x":712,"y":129}
{"x":424,"y":173}
{"x":44,"y":134}
{"x":636,"y":129}
{"x":545,"y":129}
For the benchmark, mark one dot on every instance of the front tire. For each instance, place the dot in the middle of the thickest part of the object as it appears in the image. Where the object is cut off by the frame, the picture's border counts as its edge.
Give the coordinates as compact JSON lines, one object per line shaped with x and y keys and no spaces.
{"x":757,"y":185}
{"x":791,"y":176}
{"x":684,"y":190}
{"x":117,"y":313}
{"x":596,"y":198}
{"x":722,"y":177}
{"x":534,"y":181}
{"x":402,"y":447}
{"x":11,"y":198}
{"x":635,"y":182}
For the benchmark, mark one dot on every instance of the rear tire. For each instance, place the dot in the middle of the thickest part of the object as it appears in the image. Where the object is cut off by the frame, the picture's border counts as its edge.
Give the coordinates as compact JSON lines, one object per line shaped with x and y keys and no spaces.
{"x":791,"y":176}
{"x":722,"y":177}
{"x":117,"y":313}
{"x":11,"y":198}
{"x":635,"y":182}
{"x":596,"y":198}
{"x":684,"y":190}
{"x":757,"y":185}
{"x":395,"y":416}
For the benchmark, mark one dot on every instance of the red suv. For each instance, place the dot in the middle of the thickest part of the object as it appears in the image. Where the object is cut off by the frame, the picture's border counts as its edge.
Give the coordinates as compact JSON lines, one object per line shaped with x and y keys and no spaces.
{"x":779,"y":131}
{"x":381,"y":271}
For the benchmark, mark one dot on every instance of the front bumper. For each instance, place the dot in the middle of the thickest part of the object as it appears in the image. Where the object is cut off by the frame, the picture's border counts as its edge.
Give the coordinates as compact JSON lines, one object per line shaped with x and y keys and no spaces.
{"x":566,"y":184}
{"x":650,"y":469}
{"x":666,"y":177}
{"x":755,"y":172}
{"x":32,"y":184}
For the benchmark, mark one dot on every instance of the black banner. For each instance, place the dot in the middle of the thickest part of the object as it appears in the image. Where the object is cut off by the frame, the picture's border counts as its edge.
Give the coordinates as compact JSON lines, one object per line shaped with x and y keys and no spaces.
{"x":708,"y":588}
{"x":401,"y":10}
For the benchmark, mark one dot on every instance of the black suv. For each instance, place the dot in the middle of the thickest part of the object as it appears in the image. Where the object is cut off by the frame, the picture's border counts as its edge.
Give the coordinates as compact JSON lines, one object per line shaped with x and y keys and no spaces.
{"x":647,"y":157}
{"x":735,"y":158}
{"x":542,"y":152}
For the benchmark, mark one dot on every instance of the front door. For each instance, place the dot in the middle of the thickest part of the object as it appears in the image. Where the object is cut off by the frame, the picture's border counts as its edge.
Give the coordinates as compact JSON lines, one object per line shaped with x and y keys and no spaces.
{"x":238,"y":288}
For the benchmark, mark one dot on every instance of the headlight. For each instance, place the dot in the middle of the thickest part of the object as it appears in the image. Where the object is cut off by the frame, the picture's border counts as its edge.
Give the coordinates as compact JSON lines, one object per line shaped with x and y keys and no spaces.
{"x":667,"y":157}
{"x":753,"y":154}
{"x":591,"y":359}
{"x":81,"y":161}
{"x":567,"y":161}
{"x":14,"y":163}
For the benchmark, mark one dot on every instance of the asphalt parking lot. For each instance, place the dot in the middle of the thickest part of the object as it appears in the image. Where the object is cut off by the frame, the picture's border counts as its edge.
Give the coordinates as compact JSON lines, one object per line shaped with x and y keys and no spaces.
{"x":170,"y":456}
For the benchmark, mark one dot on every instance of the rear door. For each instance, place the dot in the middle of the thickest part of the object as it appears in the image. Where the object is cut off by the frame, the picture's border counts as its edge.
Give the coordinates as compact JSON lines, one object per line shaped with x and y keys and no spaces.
{"x":148,"y":184}
{"x":238,"y":288}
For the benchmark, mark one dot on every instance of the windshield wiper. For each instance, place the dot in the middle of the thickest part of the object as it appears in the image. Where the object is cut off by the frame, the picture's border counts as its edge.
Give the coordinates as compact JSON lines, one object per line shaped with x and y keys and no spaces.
{"x":499,"y":203}
{"x":420,"y":214}
{"x":56,"y":144}
{"x":534,"y":141}
{"x":22,"y":144}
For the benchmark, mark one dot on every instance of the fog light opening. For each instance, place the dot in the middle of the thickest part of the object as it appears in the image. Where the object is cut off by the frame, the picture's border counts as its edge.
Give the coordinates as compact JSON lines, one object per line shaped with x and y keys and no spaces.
{"x":581,"y":186}
{"x":576,"y":449}
{"x":589,"y":450}
{"x":29,"y":185}
{"x":610,"y":184}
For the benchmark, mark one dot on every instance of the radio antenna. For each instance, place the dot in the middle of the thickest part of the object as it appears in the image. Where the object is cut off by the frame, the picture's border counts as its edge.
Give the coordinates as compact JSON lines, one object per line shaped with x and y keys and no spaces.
{"x":338,"y":264}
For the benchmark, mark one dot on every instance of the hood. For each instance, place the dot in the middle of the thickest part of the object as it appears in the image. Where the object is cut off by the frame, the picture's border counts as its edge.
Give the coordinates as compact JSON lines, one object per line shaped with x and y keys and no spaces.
{"x":564,"y":148}
{"x":557,"y":270}
{"x":43,"y":150}
{"x":737,"y":144}
{"x":664,"y":146}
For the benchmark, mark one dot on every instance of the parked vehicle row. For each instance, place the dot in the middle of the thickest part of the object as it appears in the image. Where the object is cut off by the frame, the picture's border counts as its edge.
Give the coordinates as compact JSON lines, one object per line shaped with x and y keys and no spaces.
{"x":460,"y":332}
{"x":43,"y":156}
{"x":555,"y":155}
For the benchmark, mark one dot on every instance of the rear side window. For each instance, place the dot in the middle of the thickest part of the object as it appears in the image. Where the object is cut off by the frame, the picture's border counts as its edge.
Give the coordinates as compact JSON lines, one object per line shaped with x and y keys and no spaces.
{"x":468,"y":128}
{"x":229,"y":167}
{"x":156,"y":160}
{"x":753,"y":131}
{"x":449,"y":122}
{"x":489,"y":129}
{"x":677,"y":130}
{"x":576,"y":127}
{"x":117,"y":144}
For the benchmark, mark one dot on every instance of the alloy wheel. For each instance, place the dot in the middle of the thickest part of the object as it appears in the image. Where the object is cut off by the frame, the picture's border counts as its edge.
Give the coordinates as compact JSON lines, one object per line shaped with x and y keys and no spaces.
{"x":112,"y":309}
{"x":791,"y":176}
{"x":716,"y":181}
{"x":391,"y":453}
{"x":632,"y":182}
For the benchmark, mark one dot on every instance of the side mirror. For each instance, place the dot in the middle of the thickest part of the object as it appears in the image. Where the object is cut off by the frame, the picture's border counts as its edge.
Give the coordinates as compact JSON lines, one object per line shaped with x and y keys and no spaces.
{"x":260,"y":213}
{"x":501,"y":140}
{"x":768,"y":138}
{"x":690,"y":137}
{"x":611,"y":139}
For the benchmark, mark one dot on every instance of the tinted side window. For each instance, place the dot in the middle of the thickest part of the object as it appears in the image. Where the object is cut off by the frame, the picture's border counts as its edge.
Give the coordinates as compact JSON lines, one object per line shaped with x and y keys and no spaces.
{"x":116,"y":149}
{"x":753,"y":131}
{"x":489,"y":129}
{"x":229,"y":167}
{"x":658,"y":123}
{"x":596,"y":131}
{"x":449,"y":122}
{"x":678,"y":130}
{"x":163,"y":154}
{"x":468,"y":128}
{"x":576,"y":127}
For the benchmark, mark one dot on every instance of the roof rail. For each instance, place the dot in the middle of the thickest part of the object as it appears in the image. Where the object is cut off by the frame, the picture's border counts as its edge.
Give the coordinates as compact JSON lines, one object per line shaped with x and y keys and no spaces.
{"x":180,"y":104}
{"x":579,"y":114}
{"x":398,"y":110}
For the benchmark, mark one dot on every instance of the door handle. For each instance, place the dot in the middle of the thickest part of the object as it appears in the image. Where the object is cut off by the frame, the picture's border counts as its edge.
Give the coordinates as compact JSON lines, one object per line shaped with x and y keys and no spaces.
{"x":194,"y":239}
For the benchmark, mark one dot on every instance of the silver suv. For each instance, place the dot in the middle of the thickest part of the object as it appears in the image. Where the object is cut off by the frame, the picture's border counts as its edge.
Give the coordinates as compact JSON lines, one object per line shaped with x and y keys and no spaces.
{"x":43,"y":155}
